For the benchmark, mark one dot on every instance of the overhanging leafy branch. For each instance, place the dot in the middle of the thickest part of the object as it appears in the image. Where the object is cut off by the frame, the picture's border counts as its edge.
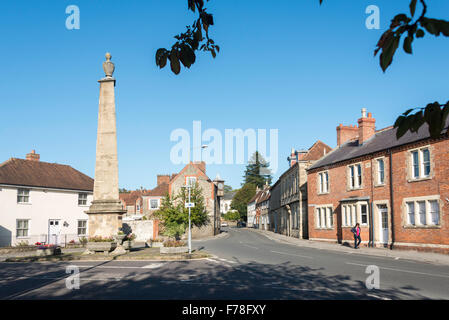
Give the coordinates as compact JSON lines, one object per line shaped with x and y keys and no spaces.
{"x":195,"y":38}
{"x":434,"y":114}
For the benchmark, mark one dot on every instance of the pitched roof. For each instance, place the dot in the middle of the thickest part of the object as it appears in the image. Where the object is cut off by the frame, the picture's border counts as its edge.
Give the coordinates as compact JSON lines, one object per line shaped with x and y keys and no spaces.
{"x":261,"y":195}
{"x":130,"y":198}
{"x":382,"y":140}
{"x":229,"y":195}
{"x":264,"y":196}
{"x":316,"y":151}
{"x":29,"y":173}
{"x":160,"y":191}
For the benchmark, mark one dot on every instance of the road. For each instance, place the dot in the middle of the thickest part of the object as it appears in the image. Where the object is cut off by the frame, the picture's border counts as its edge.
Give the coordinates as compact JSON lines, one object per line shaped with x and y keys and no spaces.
{"x":246,"y":265}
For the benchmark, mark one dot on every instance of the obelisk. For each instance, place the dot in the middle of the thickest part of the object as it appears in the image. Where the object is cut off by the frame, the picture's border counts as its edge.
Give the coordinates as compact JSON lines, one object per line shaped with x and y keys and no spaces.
{"x":105,"y":212}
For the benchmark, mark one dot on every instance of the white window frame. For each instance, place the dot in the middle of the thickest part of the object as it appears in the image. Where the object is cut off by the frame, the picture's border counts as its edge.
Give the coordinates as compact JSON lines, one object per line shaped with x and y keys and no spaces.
{"x":189,"y":179}
{"x":81,"y":199}
{"x":379,"y":173}
{"x":421,"y":165}
{"x":352,"y":214}
{"x":157,"y":204}
{"x":353,"y":179}
{"x":323,"y":217}
{"x":429,"y":218}
{"x":27,"y":229}
{"x":24,"y":193}
{"x":323,"y":182}
{"x":78,"y":228}
{"x":361,"y":214}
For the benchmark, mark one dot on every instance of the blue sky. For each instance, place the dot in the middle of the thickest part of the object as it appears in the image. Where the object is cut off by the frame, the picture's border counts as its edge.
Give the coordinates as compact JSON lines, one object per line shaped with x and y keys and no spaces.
{"x":287,"y":65}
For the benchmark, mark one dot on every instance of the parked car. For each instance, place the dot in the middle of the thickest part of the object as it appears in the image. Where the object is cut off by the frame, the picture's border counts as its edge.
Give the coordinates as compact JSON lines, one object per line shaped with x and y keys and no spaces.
{"x":224,"y":224}
{"x":241,"y":224}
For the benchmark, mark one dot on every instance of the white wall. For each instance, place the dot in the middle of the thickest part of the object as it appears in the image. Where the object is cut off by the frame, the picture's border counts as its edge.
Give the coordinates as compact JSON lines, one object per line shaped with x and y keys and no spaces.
{"x":251,"y":213}
{"x":44,"y":204}
{"x":223,"y":208}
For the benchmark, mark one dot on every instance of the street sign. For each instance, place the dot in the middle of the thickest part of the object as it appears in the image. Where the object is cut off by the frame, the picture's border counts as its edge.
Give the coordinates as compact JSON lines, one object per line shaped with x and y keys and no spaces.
{"x":190,"y":205}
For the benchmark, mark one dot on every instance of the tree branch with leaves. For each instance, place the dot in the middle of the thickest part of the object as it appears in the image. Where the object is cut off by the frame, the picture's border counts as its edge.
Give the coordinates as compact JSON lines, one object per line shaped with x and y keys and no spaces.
{"x":195,"y":38}
{"x":409,"y":28}
{"x":402,"y":26}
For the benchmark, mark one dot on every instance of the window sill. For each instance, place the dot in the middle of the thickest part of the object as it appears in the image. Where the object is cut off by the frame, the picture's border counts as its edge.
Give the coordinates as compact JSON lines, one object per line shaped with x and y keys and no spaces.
{"x":323,"y":193}
{"x":355,"y":189}
{"x":419,"y":179}
{"x":25,"y":203}
{"x":379,"y":185}
{"x":422,"y":227}
{"x":324,"y":228}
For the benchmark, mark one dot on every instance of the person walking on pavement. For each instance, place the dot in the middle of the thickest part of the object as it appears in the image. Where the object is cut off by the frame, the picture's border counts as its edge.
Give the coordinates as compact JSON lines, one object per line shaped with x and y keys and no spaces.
{"x":357,"y":238}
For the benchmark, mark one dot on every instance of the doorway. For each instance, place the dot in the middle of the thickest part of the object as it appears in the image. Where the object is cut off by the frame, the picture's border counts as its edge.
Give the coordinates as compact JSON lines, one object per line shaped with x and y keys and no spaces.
{"x":54,"y":231}
{"x":383,"y":224}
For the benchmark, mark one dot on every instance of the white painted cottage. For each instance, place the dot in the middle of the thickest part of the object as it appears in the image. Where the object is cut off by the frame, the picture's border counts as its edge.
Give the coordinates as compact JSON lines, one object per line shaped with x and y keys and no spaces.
{"x":42,"y":202}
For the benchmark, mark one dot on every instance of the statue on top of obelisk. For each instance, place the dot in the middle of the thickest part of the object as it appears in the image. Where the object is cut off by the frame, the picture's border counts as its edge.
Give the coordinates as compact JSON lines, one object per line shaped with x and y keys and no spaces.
{"x":106,"y":210}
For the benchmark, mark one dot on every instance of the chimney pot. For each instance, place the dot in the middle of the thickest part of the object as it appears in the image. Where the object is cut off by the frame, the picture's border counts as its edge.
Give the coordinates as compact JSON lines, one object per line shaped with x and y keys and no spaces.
{"x":367,"y":127}
{"x":363,"y":112}
{"x":33,"y":156}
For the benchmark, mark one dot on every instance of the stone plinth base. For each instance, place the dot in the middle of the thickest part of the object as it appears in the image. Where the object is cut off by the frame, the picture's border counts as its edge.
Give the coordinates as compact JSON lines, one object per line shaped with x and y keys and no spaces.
{"x":105,"y":218}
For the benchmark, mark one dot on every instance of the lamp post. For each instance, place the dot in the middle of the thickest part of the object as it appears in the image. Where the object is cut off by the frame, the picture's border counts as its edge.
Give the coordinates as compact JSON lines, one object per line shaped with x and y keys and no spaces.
{"x":190,"y":205}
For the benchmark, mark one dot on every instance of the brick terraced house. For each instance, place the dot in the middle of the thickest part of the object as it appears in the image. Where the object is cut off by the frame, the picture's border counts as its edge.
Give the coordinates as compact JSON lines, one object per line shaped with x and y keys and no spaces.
{"x":398,"y":190}
{"x":288,"y":208}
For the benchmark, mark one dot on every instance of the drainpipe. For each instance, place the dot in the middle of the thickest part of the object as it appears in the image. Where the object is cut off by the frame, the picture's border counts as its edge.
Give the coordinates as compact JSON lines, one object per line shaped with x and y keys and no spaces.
{"x":371,"y":235}
{"x":391,"y":198}
{"x":371,"y":206}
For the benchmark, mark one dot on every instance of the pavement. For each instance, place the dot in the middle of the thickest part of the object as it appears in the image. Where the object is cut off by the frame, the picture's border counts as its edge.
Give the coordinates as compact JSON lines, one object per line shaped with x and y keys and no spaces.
{"x":245,"y":264}
{"x":380,"y":252}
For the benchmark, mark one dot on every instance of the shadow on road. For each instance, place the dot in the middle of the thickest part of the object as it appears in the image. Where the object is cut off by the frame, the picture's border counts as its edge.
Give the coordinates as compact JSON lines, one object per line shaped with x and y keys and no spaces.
{"x":207,"y":280}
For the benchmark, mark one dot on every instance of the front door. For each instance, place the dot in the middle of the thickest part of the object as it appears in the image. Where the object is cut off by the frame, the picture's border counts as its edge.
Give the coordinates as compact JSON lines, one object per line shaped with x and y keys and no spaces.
{"x":54,"y":230}
{"x":383,"y":230}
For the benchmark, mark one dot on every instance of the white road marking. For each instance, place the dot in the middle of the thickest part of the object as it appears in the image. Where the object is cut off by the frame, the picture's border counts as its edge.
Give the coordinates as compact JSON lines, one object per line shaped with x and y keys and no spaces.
{"x":228,"y":261}
{"x":250,"y":246}
{"x":110,"y":267}
{"x":153,"y":266}
{"x":291,"y":254}
{"x":401,"y":270}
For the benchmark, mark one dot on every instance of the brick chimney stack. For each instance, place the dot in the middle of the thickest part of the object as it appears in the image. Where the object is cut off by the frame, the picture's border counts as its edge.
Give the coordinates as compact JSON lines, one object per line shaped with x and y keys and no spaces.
{"x":367,"y":126}
{"x":201,"y":165}
{"x":293,"y":158}
{"x":33,"y":156}
{"x":163,"y":178}
{"x":346,"y":133}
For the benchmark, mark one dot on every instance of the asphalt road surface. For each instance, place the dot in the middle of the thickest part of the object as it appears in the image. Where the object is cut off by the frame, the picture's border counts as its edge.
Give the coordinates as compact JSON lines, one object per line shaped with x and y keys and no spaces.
{"x":246,"y":265}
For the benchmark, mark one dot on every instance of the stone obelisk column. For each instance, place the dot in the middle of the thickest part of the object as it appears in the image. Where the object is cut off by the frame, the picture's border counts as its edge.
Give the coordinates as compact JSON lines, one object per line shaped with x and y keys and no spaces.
{"x":105,"y":212}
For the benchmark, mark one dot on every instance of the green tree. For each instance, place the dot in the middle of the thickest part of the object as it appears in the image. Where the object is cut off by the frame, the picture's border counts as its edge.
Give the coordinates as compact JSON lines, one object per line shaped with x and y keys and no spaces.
{"x":173,"y":222}
{"x":257,"y":172}
{"x":174,"y":215}
{"x":241,"y":199}
{"x":198,"y":213}
{"x":227,"y":188}
{"x":232,"y":215}
{"x":408,"y":27}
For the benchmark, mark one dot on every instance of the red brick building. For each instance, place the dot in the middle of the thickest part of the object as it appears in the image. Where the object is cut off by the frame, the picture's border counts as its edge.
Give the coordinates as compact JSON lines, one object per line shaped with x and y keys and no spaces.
{"x":398,"y":190}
